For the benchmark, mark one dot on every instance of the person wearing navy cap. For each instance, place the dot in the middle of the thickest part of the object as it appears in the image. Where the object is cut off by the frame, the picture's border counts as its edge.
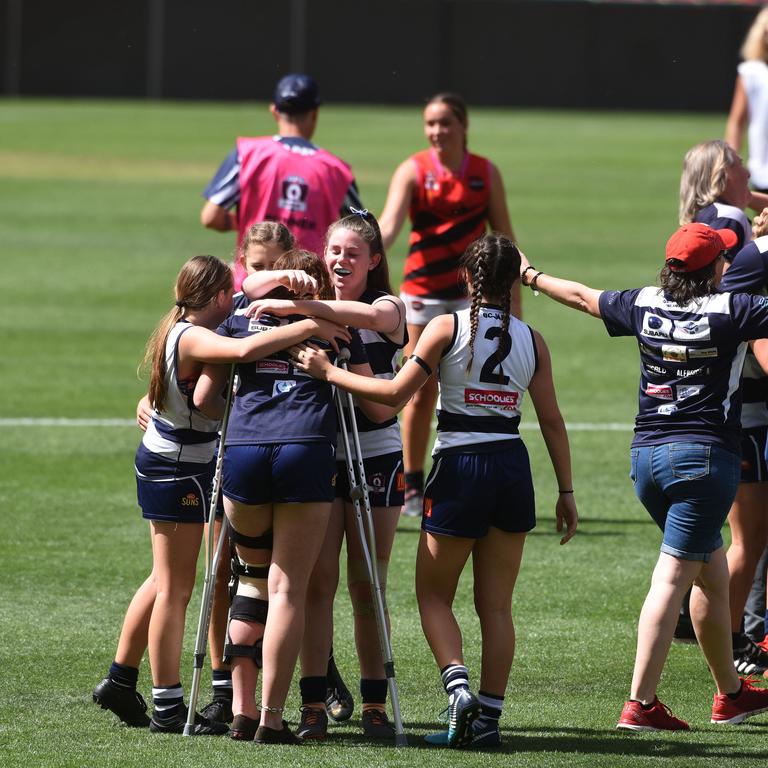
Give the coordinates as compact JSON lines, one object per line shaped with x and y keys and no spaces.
{"x":685,"y":455}
{"x":283,"y":178}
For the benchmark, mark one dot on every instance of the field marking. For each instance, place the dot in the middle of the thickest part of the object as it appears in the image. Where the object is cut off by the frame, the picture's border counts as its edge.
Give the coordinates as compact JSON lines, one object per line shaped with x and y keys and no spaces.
{"x":609,"y":426}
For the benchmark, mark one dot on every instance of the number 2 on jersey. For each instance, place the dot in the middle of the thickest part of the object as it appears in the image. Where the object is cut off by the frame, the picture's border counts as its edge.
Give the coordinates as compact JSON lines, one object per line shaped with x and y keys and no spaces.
{"x":494,"y":360}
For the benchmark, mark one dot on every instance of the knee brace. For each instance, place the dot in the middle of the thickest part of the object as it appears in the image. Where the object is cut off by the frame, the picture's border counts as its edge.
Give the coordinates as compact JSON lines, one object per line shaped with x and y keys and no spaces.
{"x":357,"y":573}
{"x":249,"y":572}
{"x":254,"y":611}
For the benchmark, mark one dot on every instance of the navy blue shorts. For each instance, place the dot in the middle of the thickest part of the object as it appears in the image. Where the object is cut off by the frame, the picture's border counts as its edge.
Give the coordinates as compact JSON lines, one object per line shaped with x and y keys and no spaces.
{"x":279,"y":473}
{"x":383,"y":476}
{"x":468,"y":493}
{"x":182,"y":497}
{"x":753,"y":447}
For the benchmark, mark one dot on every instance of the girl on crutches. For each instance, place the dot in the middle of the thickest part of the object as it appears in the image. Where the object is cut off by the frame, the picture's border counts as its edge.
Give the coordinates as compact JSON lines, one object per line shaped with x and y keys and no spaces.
{"x":479,"y":495}
{"x":354,"y":255}
{"x":174,"y":469}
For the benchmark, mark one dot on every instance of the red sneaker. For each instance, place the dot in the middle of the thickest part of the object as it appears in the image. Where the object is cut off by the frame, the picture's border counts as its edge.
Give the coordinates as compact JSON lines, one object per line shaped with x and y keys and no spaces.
{"x":763,"y":644}
{"x":751,"y":701}
{"x":658,"y":717}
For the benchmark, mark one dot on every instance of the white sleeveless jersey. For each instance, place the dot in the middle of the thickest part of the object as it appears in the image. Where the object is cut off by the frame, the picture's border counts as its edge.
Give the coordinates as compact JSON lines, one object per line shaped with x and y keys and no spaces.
{"x":180,"y":432}
{"x":754,"y":76}
{"x":483,"y":405}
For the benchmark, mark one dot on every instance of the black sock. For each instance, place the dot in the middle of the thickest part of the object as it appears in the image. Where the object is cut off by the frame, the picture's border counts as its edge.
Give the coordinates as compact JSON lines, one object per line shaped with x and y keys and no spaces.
{"x":738,"y":693}
{"x":168,"y":701}
{"x":313,"y":689}
{"x":221,"y":680}
{"x":125,"y":677}
{"x":373,"y":691}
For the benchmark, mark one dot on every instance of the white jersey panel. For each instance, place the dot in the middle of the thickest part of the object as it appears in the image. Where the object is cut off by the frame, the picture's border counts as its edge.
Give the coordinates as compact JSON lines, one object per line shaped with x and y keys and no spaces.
{"x":754,"y":76}
{"x":484,"y":404}
{"x":180,"y":432}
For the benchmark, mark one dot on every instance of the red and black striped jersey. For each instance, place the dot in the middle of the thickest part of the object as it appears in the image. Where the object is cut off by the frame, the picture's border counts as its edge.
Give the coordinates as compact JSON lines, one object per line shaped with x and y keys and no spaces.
{"x":448,"y":211}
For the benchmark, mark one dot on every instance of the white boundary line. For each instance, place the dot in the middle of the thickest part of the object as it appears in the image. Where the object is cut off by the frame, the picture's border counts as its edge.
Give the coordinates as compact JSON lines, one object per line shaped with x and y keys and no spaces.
{"x":52,"y":422}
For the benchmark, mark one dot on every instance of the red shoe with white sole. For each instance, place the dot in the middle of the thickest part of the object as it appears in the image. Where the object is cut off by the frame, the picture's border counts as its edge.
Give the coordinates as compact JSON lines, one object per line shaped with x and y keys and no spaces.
{"x":751,"y":701}
{"x":658,"y":717}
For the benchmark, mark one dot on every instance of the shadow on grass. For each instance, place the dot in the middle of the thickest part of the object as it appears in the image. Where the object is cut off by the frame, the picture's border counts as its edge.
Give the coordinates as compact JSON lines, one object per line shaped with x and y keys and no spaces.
{"x":588,"y":741}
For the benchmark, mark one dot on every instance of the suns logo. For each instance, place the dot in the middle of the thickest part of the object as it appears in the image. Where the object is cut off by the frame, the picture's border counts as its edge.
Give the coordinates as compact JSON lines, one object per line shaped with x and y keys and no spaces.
{"x":190,"y":500}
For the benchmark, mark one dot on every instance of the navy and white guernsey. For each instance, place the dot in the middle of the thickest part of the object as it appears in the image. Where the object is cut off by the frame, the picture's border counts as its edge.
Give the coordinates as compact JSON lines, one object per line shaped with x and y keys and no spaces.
{"x":179,"y":434}
{"x":723,"y":216}
{"x":690,"y":361}
{"x":377,"y":438}
{"x":275,"y":402}
{"x":477,"y":410}
{"x":749,"y":274}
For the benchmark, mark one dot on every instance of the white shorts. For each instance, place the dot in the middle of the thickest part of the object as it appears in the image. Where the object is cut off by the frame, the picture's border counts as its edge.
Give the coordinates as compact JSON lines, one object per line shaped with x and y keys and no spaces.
{"x":419,"y":310}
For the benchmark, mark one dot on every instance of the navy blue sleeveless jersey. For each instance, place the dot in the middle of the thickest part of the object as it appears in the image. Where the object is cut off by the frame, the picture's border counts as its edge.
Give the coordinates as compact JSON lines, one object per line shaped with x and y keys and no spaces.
{"x":748,"y":273}
{"x":275,"y":402}
{"x":690,"y":361}
{"x":723,"y":216}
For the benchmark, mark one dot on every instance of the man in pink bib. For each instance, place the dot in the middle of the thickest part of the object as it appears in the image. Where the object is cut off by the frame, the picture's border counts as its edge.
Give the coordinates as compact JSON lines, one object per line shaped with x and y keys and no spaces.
{"x":283,"y":178}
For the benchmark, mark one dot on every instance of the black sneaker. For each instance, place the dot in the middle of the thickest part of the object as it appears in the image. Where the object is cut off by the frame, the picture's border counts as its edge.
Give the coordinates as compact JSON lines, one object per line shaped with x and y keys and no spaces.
{"x":338,"y":700}
{"x":463,"y":710}
{"x":376,"y":725}
{"x":126,"y":703}
{"x":313,"y":724}
{"x":243,"y":728}
{"x":175,"y":724}
{"x":219,"y":710}
{"x":266,"y":735}
{"x":749,"y":658}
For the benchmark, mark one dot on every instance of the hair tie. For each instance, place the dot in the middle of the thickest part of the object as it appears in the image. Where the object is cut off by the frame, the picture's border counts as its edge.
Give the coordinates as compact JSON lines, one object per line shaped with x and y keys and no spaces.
{"x":361,"y":212}
{"x":180,"y":304}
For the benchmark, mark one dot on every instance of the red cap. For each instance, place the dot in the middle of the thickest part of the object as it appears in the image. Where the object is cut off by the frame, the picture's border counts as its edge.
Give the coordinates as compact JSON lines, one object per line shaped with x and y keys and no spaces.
{"x":697,"y":245}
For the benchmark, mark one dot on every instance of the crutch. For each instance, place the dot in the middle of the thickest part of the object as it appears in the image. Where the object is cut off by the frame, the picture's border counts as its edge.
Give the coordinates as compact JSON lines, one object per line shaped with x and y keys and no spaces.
{"x":211,"y":565}
{"x":358,"y":491}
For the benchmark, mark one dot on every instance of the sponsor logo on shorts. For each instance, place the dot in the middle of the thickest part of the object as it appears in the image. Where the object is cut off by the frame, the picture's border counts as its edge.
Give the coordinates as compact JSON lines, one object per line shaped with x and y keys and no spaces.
{"x":685,"y":392}
{"x":400,"y":481}
{"x":491,"y":398}
{"x":660,"y":391}
{"x":333,"y":480}
{"x":692,"y":330}
{"x":674,"y":353}
{"x":656,"y":327}
{"x":377,"y":481}
{"x":427,"y":507}
{"x":272,"y":366}
{"x":746,"y":466}
{"x":282,"y":386}
{"x":667,"y":410}
{"x":705,"y":352}
{"x":190,"y":500}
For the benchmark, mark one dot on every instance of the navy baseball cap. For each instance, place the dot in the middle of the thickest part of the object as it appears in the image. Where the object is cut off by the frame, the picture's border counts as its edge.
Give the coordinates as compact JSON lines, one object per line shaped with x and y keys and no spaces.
{"x":296,"y":93}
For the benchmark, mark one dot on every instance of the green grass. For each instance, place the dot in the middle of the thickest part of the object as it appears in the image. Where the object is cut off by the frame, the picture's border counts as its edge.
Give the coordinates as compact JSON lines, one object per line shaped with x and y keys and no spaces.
{"x":98,"y":208}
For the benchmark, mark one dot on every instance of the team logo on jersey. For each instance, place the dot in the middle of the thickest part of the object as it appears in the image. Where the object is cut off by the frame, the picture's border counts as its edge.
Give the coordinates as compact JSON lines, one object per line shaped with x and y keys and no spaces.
{"x":656,"y":327}
{"x":491,"y":398}
{"x":692,"y":330}
{"x":294,"y":194}
{"x":666,"y":410}
{"x":431,"y":184}
{"x":282,"y":386}
{"x":683,"y":393}
{"x":659,"y":391}
{"x":673,"y":353}
{"x":706,"y":352}
{"x":190,"y":500}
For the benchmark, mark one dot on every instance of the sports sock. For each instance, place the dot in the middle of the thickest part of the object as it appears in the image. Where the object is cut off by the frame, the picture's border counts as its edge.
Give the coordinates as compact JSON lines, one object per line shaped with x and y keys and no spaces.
{"x":373,"y":691}
{"x":168,"y":700}
{"x":415,"y":481}
{"x":738,"y":640}
{"x":221,"y":681}
{"x":313,"y":689}
{"x":738,"y":693}
{"x":490,"y":709}
{"x":125,"y":677}
{"x":454,"y":676}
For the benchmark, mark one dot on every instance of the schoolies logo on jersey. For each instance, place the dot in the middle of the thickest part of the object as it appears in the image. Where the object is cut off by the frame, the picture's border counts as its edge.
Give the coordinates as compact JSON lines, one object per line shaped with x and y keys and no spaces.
{"x":656,"y":327}
{"x":294,"y":194}
{"x":660,"y":391}
{"x":272,"y":366}
{"x":491,"y":398}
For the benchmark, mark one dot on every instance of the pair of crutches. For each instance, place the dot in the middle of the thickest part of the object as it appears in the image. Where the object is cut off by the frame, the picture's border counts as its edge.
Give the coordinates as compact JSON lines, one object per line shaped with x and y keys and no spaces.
{"x":358,"y":493}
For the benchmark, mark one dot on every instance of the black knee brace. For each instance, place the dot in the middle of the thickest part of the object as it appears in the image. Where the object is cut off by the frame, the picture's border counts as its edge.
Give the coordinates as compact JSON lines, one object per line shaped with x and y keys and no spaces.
{"x":253,"y":611}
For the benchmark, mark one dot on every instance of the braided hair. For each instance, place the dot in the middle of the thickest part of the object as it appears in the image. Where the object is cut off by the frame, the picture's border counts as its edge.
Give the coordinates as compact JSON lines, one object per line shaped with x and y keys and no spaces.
{"x":492,"y":264}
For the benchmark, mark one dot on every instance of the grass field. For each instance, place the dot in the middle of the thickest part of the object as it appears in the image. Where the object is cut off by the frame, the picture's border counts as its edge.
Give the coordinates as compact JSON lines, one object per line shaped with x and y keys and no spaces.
{"x":98,"y":208}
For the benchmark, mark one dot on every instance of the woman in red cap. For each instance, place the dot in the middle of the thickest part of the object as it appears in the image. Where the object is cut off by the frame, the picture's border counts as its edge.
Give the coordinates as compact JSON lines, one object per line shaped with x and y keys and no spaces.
{"x":685,"y":456}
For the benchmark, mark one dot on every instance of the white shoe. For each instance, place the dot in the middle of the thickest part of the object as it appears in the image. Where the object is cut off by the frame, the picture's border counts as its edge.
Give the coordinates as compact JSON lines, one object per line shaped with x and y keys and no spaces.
{"x":414,"y":503}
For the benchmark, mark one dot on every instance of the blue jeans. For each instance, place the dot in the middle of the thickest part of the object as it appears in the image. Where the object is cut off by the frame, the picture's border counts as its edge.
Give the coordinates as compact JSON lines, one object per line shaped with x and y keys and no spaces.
{"x":688,"y":489}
